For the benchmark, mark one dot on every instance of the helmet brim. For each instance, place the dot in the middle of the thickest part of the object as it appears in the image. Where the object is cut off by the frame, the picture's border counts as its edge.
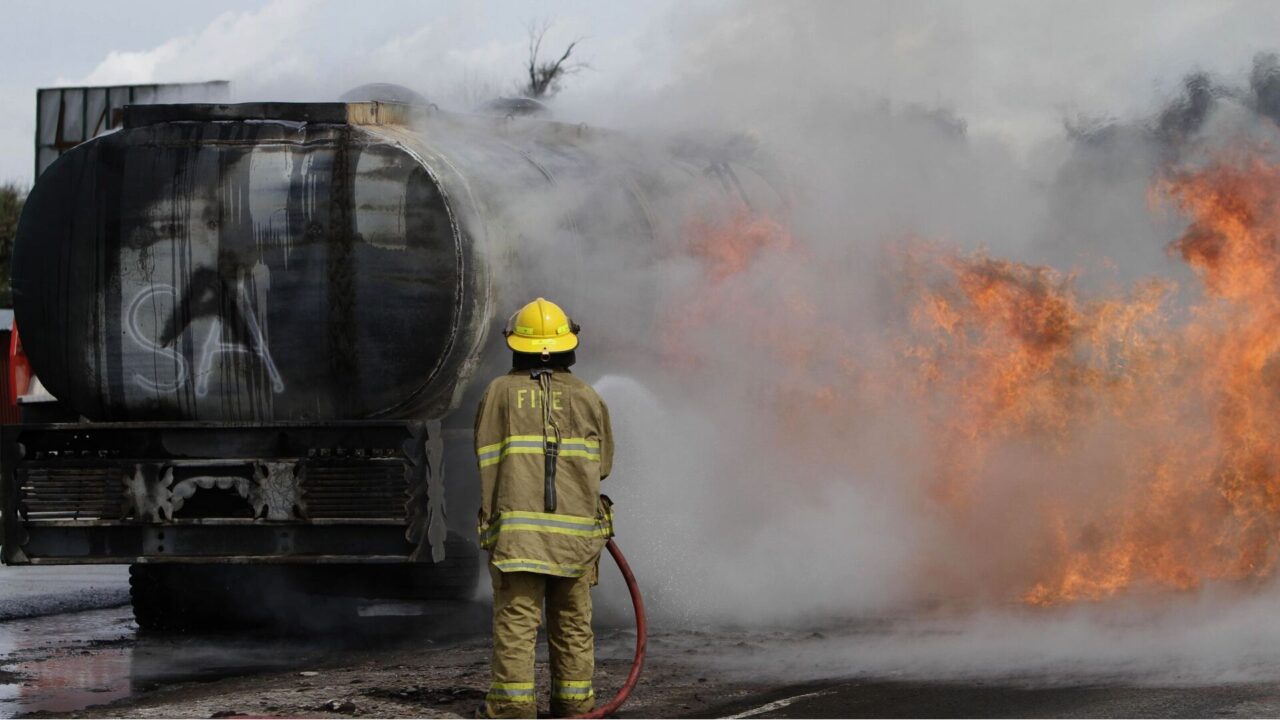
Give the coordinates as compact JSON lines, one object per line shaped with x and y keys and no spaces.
{"x":536,"y":346}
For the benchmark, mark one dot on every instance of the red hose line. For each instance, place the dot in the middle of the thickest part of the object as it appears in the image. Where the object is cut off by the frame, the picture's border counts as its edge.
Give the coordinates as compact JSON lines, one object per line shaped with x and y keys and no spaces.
{"x":642,"y":637}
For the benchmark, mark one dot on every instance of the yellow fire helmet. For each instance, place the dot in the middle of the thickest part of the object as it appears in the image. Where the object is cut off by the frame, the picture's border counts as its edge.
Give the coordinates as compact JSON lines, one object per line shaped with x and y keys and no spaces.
{"x":541,"y":328}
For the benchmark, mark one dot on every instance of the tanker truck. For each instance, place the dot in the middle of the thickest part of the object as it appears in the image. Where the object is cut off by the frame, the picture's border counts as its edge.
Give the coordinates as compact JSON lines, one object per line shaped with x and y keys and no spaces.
{"x":263,"y":324}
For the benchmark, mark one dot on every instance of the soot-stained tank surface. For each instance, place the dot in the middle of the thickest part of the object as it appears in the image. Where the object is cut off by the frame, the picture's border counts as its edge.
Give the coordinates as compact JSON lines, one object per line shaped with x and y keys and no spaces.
{"x":346,"y":261}
{"x":239,"y":269}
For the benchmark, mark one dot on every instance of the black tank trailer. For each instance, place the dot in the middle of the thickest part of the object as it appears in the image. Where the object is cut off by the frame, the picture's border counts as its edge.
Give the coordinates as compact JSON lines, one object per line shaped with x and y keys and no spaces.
{"x":261,"y":322}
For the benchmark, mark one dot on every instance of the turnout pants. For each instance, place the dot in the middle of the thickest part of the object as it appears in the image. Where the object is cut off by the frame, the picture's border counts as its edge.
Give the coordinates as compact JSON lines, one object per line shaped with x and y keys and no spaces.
{"x":517,"y":612}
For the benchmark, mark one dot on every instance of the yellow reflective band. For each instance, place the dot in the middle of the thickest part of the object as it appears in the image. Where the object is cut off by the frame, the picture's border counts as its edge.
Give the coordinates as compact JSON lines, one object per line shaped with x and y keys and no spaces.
{"x":518,"y":692}
{"x":497,"y":458}
{"x":505,"y":696}
{"x":562,"y":329}
{"x":573,"y":694}
{"x":507,"y":440}
{"x":528,"y":515}
{"x":573,"y":683}
{"x":492,"y":535}
{"x":521,"y":520}
{"x":489,"y":455}
{"x":539,"y":438}
{"x":539,"y":566}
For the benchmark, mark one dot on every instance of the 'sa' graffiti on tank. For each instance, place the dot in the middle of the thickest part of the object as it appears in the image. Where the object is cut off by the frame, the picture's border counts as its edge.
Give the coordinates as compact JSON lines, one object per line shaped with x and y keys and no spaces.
{"x":202,"y":299}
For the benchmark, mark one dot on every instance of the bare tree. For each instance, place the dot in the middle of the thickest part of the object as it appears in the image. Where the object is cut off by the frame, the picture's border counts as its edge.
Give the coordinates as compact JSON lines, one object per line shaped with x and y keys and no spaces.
{"x":12,"y":197}
{"x":545,"y":77}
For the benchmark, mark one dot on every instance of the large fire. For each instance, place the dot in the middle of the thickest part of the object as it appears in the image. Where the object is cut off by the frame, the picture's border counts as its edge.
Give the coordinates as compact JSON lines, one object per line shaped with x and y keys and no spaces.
{"x":1092,"y":443}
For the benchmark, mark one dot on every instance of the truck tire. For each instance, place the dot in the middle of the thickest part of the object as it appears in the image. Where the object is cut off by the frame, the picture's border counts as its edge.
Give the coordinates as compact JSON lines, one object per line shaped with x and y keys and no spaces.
{"x":210,"y":597}
{"x":154,"y":607}
{"x":453,"y":578}
{"x":179,"y":598}
{"x":172,"y":597}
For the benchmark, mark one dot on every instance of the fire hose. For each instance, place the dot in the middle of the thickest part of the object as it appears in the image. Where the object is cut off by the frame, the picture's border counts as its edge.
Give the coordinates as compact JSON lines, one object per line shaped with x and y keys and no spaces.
{"x":642,"y":634}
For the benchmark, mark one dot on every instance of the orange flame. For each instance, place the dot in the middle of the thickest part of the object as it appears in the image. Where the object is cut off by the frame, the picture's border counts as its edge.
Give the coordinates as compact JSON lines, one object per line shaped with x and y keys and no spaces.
{"x":1101,"y":443}
{"x":1206,"y":504}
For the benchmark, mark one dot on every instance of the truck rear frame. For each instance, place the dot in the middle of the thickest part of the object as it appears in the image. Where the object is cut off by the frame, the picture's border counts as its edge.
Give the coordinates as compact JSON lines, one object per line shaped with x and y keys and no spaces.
{"x":189,"y":492}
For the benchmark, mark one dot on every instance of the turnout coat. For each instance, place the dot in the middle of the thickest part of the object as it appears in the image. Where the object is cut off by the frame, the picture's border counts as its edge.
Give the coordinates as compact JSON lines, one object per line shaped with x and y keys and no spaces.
{"x":511,"y":441}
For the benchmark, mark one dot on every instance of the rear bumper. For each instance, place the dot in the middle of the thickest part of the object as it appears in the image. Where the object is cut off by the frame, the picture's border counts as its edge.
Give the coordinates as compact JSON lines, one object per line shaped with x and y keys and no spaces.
{"x":93,"y":542}
{"x":358,"y":492}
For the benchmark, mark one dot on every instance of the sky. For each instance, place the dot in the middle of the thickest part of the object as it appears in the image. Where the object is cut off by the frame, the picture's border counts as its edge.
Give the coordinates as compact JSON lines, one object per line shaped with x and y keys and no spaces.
{"x":1012,"y":69}
{"x":297,"y":50}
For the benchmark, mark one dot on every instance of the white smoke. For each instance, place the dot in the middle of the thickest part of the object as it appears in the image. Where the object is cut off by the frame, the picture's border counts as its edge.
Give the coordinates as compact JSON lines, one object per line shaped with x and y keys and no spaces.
{"x":892,"y":119}
{"x":1032,"y":131}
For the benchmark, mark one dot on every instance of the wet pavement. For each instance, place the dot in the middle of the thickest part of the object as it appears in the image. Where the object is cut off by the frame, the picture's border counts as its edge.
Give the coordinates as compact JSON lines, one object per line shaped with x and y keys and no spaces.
{"x":889,"y":699}
{"x":64,"y":662}
{"x":60,"y":634}
{"x":69,"y":647}
{"x":68,"y":641}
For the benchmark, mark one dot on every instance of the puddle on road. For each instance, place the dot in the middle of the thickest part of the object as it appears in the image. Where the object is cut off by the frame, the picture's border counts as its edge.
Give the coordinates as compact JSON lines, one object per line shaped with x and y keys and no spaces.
{"x":67,"y":684}
{"x":62,"y":663}
{"x":66,"y":662}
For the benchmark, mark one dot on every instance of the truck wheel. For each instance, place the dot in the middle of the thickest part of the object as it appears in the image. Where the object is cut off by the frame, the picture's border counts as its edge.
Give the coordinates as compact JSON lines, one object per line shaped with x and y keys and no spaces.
{"x":178,"y":598}
{"x":453,"y":578}
{"x":211,"y":597}
{"x":154,"y":606}
{"x":184,"y":598}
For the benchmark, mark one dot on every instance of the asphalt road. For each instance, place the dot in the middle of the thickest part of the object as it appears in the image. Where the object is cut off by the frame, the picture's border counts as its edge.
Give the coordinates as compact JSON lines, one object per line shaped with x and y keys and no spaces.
{"x":68,"y":646}
{"x":868,"y":699}
{"x":68,"y":641}
{"x":33,"y":591}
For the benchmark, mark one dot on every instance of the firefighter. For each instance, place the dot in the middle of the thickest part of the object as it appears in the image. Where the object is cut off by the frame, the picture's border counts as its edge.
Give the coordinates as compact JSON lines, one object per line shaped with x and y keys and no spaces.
{"x":543,"y":443}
